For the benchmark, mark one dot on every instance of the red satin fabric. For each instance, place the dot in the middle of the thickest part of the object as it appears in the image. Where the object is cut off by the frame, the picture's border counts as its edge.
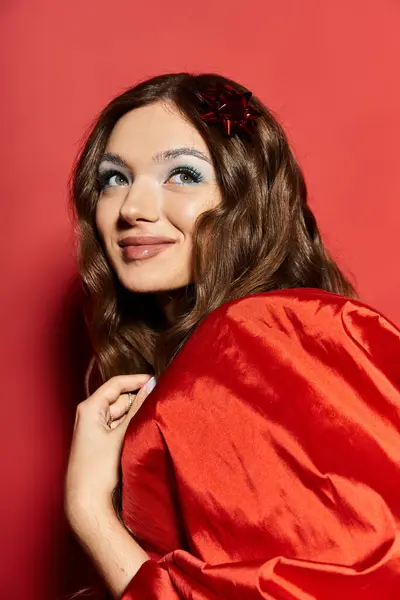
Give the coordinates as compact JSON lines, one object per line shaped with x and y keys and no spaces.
{"x":266,"y":462}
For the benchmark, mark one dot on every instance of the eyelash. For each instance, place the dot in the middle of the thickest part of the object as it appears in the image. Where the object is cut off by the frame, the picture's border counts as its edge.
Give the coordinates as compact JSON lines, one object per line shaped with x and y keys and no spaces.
{"x":191,"y":171}
{"x":104,"y":177}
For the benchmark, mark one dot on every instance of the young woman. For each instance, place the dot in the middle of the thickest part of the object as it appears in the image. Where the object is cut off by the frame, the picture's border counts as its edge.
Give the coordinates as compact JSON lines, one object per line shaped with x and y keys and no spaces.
{"x":265,"y":463}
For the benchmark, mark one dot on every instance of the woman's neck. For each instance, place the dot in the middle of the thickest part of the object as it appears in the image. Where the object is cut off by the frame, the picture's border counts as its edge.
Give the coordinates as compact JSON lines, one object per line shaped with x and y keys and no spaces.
{"x":173,"y":304}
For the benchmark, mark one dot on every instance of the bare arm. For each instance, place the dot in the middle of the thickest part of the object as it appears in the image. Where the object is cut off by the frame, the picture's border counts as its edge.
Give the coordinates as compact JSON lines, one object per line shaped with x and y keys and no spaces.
{"x":92,"y":475}
{"x":113,"y":550}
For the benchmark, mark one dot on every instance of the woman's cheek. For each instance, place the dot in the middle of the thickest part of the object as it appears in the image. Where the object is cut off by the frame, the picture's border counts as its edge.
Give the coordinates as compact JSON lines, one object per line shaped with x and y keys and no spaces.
{"x":184,"y":214}
{"x":104,"y":218}
{"x":99,"y":217}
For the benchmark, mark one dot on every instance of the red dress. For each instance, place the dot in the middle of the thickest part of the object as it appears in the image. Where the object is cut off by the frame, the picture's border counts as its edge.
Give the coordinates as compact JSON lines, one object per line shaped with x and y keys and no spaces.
{"x":266,"y":462}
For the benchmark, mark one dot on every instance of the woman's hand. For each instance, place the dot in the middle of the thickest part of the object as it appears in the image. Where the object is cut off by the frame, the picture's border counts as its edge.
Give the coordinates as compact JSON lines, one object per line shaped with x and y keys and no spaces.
{"x":100,"y":426}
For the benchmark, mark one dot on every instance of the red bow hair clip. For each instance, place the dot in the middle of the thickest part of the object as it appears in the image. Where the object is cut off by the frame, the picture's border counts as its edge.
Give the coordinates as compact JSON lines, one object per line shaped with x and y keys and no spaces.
{"x":231,"y":109}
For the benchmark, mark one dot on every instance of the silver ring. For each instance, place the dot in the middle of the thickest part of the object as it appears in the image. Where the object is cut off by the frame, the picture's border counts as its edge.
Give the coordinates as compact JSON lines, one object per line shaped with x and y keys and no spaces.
{"x":130,"y":400}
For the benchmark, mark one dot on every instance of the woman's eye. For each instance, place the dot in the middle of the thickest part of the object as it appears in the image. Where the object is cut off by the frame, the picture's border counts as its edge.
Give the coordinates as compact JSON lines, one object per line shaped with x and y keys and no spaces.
{"x":185,"y":176}
{"x":111,"y":179}
{"x":116,"y":179}
{"x":182,"y":178}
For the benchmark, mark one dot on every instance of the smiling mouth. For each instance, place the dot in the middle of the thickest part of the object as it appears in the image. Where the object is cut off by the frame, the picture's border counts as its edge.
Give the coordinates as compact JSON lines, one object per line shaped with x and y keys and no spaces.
{"x":140,"y":247}
{"x":143,"y":251}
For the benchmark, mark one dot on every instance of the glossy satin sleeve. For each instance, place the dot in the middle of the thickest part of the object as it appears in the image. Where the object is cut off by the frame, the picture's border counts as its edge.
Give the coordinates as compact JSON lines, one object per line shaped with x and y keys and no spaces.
{"x":266,"y":463}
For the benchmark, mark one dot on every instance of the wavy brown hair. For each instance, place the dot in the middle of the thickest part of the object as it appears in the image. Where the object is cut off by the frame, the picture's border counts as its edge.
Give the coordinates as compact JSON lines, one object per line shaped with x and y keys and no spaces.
{"x":263,"y":236}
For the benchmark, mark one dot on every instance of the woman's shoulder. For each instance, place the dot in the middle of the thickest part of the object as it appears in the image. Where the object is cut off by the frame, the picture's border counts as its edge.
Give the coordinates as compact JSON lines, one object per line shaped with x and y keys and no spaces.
{"x":305,"y":316}
{"x":297,"y":305}
{"x":300,"y":302}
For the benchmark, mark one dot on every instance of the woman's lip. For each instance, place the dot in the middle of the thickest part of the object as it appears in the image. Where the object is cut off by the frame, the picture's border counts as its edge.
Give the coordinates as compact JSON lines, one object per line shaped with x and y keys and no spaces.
{"x":145,"y":240}
{"x":140,"y":252}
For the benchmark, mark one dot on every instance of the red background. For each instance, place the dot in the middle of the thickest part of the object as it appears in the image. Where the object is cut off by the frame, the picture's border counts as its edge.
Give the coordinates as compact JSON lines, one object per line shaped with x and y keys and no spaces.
{"x":330,"y":72}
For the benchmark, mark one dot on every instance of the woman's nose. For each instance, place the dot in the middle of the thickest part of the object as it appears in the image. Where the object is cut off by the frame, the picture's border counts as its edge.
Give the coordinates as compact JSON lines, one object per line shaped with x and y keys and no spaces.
{"x":142,"y":203}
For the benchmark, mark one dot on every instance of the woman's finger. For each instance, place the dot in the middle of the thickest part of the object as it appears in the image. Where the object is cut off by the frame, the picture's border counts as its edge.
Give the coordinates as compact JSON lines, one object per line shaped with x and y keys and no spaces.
{"x":142,"y":395}
{"x":112,"y":389}
{"x":129,"y":404}
{"x":140,"y":398}
{"x":114,"y":424}
{"x":122,"y":405}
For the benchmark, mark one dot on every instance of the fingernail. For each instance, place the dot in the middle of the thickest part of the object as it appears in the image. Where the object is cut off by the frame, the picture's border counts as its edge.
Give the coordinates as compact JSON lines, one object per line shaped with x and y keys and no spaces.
{"x":150,"y":385}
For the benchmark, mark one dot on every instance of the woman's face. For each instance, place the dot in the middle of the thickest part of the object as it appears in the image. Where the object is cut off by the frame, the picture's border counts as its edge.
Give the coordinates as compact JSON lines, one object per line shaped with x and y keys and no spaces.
{"x":156,"y":178}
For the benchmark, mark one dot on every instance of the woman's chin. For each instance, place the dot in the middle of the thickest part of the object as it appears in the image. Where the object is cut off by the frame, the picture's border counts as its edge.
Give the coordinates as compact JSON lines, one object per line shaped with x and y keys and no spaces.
{"x":154,"y":287}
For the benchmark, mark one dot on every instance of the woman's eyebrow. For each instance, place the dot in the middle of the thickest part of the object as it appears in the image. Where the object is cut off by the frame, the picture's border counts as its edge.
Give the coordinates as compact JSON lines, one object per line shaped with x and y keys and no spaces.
{"x":160,"y":157}
{"x":115,"y":159}
{"x":166,"y":155}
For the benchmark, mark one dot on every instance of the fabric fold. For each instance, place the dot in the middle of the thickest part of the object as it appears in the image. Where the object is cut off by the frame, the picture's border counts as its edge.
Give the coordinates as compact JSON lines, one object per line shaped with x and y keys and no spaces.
{"x":266,"y":462}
